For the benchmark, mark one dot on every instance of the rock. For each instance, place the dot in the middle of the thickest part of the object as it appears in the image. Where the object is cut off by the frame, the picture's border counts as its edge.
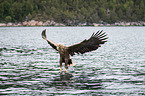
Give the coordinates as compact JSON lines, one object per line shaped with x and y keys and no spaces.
{"x":40,"y":23}
{"x":59,"y":24}
{"x":52,"y":23}
{"x":117,"y":24}
{"x":10,"y":24}
{"x":3,"y":24}
{"x":95,"y":24}
{"x":108,"y":24}
{"x":25,"y":23}
{"x":47,"y":23}
{"x":32,"y":23}
{"x":127,"y":24}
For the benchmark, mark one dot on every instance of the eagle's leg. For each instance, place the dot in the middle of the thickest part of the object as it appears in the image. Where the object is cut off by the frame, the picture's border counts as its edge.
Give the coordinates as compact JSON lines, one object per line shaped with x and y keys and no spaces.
{"x":60,"y":62}
{"x":66,"y":64}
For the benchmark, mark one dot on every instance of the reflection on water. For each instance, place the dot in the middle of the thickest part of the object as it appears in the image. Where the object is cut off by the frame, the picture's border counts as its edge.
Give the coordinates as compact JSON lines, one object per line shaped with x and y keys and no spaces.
{"x":28,"y":66}
{"x":67,"y":80}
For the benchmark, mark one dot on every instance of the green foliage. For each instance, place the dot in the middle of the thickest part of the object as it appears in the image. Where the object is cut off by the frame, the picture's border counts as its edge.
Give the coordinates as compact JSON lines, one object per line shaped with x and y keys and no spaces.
{"x":8,"y":19}
{"x":29,"y":16}
{"x":72,"y":12}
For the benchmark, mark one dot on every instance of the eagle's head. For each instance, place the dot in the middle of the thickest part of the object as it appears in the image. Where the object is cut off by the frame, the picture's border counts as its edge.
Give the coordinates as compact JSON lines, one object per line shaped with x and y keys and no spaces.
{"x":60,"y":47}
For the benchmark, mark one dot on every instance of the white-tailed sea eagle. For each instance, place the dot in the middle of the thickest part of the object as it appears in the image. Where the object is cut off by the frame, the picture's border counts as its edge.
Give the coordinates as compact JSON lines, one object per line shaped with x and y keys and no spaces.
{"x":93,"y":43}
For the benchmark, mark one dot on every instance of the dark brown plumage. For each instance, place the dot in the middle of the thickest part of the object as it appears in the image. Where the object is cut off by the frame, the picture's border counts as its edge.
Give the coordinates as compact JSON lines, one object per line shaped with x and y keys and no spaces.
{"x":93,"y":43}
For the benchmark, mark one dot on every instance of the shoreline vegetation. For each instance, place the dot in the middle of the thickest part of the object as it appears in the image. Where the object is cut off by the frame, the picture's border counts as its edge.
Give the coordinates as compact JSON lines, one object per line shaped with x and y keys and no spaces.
{"x":72,"y":13}
{"x":53,"y":23}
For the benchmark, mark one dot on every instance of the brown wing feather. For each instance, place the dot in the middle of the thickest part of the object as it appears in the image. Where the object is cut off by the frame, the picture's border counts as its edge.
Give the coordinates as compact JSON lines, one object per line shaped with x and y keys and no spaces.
{"x":91,"y":44}
{"x":52,"y":44}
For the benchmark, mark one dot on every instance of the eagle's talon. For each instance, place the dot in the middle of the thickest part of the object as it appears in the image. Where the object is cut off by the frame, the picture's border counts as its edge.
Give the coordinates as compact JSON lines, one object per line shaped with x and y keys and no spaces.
{"x":65,"y":71}
{"x":60,"y":70}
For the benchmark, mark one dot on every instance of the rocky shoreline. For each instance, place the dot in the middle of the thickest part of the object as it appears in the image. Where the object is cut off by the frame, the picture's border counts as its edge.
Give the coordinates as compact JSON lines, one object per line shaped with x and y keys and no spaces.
{"x":53,"y":23}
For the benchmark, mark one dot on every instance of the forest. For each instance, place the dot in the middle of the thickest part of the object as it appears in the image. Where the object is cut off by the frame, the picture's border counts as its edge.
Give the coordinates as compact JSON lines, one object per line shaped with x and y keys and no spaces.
{"x":72,"y":12}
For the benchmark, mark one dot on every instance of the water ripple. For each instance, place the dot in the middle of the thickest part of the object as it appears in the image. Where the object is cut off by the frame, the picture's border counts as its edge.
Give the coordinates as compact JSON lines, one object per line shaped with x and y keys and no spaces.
{"x":28,"y":66}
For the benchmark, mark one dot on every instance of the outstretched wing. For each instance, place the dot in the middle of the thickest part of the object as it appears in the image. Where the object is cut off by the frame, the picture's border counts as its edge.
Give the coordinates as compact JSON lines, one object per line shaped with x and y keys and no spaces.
{"x":91,"y":44}
{"x":52,"y":44}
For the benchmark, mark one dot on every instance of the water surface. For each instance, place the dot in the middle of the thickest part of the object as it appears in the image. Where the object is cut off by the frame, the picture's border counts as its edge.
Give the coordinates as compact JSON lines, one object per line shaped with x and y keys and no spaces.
{"x":29,"y":66}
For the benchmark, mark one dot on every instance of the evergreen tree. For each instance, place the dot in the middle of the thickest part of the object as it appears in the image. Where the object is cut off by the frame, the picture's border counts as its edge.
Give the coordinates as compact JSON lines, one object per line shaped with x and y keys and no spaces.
{"x":72,"y":12}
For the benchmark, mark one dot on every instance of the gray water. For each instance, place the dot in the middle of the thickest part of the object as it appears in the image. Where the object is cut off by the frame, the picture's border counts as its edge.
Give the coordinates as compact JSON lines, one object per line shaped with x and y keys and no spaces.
{"x":29,"y":66}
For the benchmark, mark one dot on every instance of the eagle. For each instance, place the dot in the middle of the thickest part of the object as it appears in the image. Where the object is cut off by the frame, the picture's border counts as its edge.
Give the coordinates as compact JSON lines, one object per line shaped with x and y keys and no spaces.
{"x":87,"y":45}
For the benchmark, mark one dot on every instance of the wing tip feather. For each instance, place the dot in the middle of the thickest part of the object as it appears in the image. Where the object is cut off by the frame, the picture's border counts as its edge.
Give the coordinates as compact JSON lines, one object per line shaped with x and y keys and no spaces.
{"x":99,"y":34}
{"x":44,"y":34}
{"x":95,"y":41}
